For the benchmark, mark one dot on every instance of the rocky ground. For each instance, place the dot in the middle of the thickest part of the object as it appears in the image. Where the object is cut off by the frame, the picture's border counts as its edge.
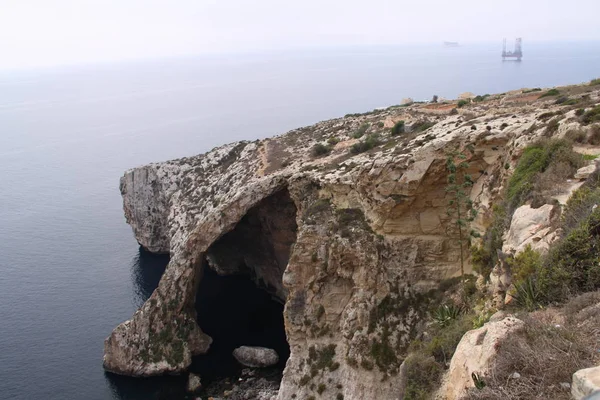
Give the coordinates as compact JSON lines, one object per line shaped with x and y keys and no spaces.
{"x":349,"y":227}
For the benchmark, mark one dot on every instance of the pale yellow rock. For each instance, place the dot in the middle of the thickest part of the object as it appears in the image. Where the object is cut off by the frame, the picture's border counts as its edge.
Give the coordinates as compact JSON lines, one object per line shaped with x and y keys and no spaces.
{"x":530,"y":226}
{"x":466,"y":95}
{"x":585,"y":382}
{"x":583,"y":172}
{"x":475,"y":354}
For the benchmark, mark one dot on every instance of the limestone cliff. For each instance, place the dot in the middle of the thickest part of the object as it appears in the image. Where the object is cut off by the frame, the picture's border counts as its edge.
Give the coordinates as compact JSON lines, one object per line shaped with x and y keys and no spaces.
{"x":353,"y":243}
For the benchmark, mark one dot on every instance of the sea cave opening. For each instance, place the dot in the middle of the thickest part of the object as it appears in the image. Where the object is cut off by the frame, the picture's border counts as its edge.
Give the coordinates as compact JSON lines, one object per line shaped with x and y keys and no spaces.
{"x":240,"y":298}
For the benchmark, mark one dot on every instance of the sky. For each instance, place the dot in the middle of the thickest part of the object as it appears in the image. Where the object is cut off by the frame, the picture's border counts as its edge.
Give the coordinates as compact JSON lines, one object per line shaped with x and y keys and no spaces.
{"x":56,"y":32}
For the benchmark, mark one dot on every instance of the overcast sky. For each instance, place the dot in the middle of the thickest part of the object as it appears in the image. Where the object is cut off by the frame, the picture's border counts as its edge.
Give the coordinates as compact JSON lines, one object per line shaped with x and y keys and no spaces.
{"x":52,"y":32}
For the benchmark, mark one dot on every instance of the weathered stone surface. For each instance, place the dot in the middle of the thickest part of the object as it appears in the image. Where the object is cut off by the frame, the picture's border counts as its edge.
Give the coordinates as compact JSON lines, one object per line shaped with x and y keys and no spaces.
{"x":583,"y":172}
{"x":500,"y":281}
{"x":585,"y":382}
{"x":530,"y":226}
{"x":194,"y":383}
{"x":355,"y":234}
{"x":475,"y":354}
{"x":256,"y":357}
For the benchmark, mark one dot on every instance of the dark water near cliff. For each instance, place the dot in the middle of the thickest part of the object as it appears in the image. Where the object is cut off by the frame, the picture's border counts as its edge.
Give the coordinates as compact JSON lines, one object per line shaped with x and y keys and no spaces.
{"x":70,"y":270}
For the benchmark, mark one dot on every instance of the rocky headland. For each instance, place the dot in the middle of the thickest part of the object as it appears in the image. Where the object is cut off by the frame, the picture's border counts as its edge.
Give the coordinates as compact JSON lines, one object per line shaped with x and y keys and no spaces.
{"x":346,"y":222}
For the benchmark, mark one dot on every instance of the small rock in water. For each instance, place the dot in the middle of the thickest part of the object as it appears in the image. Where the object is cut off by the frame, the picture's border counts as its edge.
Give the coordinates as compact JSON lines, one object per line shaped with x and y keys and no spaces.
{"x":256,"y":357}
{"x":194,"y":383}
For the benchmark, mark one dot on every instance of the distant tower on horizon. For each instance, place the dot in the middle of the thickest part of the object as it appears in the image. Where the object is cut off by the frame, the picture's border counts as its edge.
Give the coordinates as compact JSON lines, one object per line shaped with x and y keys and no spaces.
{"x":516,"y":54}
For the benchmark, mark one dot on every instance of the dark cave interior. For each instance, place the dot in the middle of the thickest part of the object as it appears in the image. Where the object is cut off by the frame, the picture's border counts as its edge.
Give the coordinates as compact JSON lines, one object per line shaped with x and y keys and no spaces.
{"x":240,"y":296}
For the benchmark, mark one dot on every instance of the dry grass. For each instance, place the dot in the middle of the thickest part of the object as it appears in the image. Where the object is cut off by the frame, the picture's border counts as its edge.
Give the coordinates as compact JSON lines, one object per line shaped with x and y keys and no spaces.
{"x":581,"y":136}
{"x":594,"y":136}
{"x":554,"y":344}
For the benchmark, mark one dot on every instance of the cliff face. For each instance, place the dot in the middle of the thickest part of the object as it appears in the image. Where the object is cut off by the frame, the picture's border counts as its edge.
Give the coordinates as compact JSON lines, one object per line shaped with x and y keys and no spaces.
{"x":353,"y":243}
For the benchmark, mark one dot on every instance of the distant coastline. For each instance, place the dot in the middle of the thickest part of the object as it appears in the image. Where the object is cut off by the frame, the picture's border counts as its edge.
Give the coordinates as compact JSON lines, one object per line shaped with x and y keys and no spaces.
{"x":451,"y":44}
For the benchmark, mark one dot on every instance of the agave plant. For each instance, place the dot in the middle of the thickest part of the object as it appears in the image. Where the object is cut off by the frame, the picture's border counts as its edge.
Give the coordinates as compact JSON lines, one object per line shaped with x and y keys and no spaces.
{"x":446,"y":313}
{"x":527,"y":294}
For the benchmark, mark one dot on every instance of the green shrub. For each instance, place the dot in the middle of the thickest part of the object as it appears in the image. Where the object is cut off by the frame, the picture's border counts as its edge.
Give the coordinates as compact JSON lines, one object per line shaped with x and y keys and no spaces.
{"x":480,"y":259}
{"x":380,"y":124}
{"x":576,"y":135}
{"x":482,"y":319}
{"x":422,"y":375}
{"x":525,"y":265}
{"x":479,"y":98}
{"x":366,"y":364}
{"x":304,"y":380}
{"x":361,"y":130}
{"x":422,"y":126}
{"x":428,"y":359}
{"x":320,"y":150}
{"x":573,"y":264}
{"x":591,"y":116}
{"x":462,"y":103}
{"x":365,"y":145}
{"x":579,"y":112}
{"x":485,"y":256}
{"x":444,"y":342}
{"x":595,"y":82}
{"x":332,"y":141}
{"x":532,"y":162}
{"x":565,"y":101}
{"x":321,"y":388}
{"x":537,"y":89}
{"x":383,"y":352}
{"x":547,"y":115}
{"x":398,"y":128}
{"x":551,"y":92}
{"x":552,"y":127}
{"x":536,"y":159}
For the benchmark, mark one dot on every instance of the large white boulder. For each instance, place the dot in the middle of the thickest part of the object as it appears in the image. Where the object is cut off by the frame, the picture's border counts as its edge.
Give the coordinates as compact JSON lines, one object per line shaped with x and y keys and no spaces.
{"x":256,"y":357}
{"x":475,"y":354}
{"x":584,"y":172}
{"x":530,"y":226}
{"x":585,"y":382}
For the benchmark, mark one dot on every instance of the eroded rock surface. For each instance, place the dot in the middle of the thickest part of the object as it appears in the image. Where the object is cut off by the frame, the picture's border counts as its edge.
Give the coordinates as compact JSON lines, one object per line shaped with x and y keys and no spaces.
{"x":194,"y":383}
{"x":585,"y":382}
{"x":352,"y":243}
{"x":531,"y":227}
{"x":475,"y":355}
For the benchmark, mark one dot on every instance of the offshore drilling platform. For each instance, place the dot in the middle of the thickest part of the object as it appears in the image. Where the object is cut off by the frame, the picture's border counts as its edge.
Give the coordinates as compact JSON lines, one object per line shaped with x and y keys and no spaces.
{"x":516,"y":54}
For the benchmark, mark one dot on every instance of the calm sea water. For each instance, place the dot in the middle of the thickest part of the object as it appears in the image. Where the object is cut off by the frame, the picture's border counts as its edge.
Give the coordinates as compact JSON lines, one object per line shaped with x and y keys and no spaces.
{"x":70,"y":269}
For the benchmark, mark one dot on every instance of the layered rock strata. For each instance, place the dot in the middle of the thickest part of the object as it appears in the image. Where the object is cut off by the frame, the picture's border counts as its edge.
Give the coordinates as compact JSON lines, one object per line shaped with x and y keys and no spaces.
{"x":352,"y":243}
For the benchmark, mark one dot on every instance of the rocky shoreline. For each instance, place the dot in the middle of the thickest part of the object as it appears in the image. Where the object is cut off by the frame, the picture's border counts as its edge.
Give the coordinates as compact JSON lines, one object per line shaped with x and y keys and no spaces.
{"x":344,"y":221}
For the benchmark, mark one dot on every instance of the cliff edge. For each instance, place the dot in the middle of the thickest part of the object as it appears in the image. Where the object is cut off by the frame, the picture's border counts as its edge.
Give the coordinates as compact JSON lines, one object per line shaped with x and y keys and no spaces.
{"x":345,"y":221}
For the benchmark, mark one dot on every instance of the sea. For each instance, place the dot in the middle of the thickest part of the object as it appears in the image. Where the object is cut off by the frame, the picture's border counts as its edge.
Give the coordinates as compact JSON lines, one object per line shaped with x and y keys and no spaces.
{"x":70,"y":268}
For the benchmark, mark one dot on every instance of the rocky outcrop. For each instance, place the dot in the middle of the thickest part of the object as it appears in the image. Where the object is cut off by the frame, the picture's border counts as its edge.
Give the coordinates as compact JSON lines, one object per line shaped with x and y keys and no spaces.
{"x":474,"y":356}
{"x":531,"y":227}
{"x":194,"y":383}
{"x":352,"y":243}
{"x":256,"y":357}
{"x":585,"y":382}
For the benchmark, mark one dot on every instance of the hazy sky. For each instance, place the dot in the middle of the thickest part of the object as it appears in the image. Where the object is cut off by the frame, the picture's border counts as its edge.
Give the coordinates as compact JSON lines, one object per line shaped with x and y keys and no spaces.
{"x":50,"y":32}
